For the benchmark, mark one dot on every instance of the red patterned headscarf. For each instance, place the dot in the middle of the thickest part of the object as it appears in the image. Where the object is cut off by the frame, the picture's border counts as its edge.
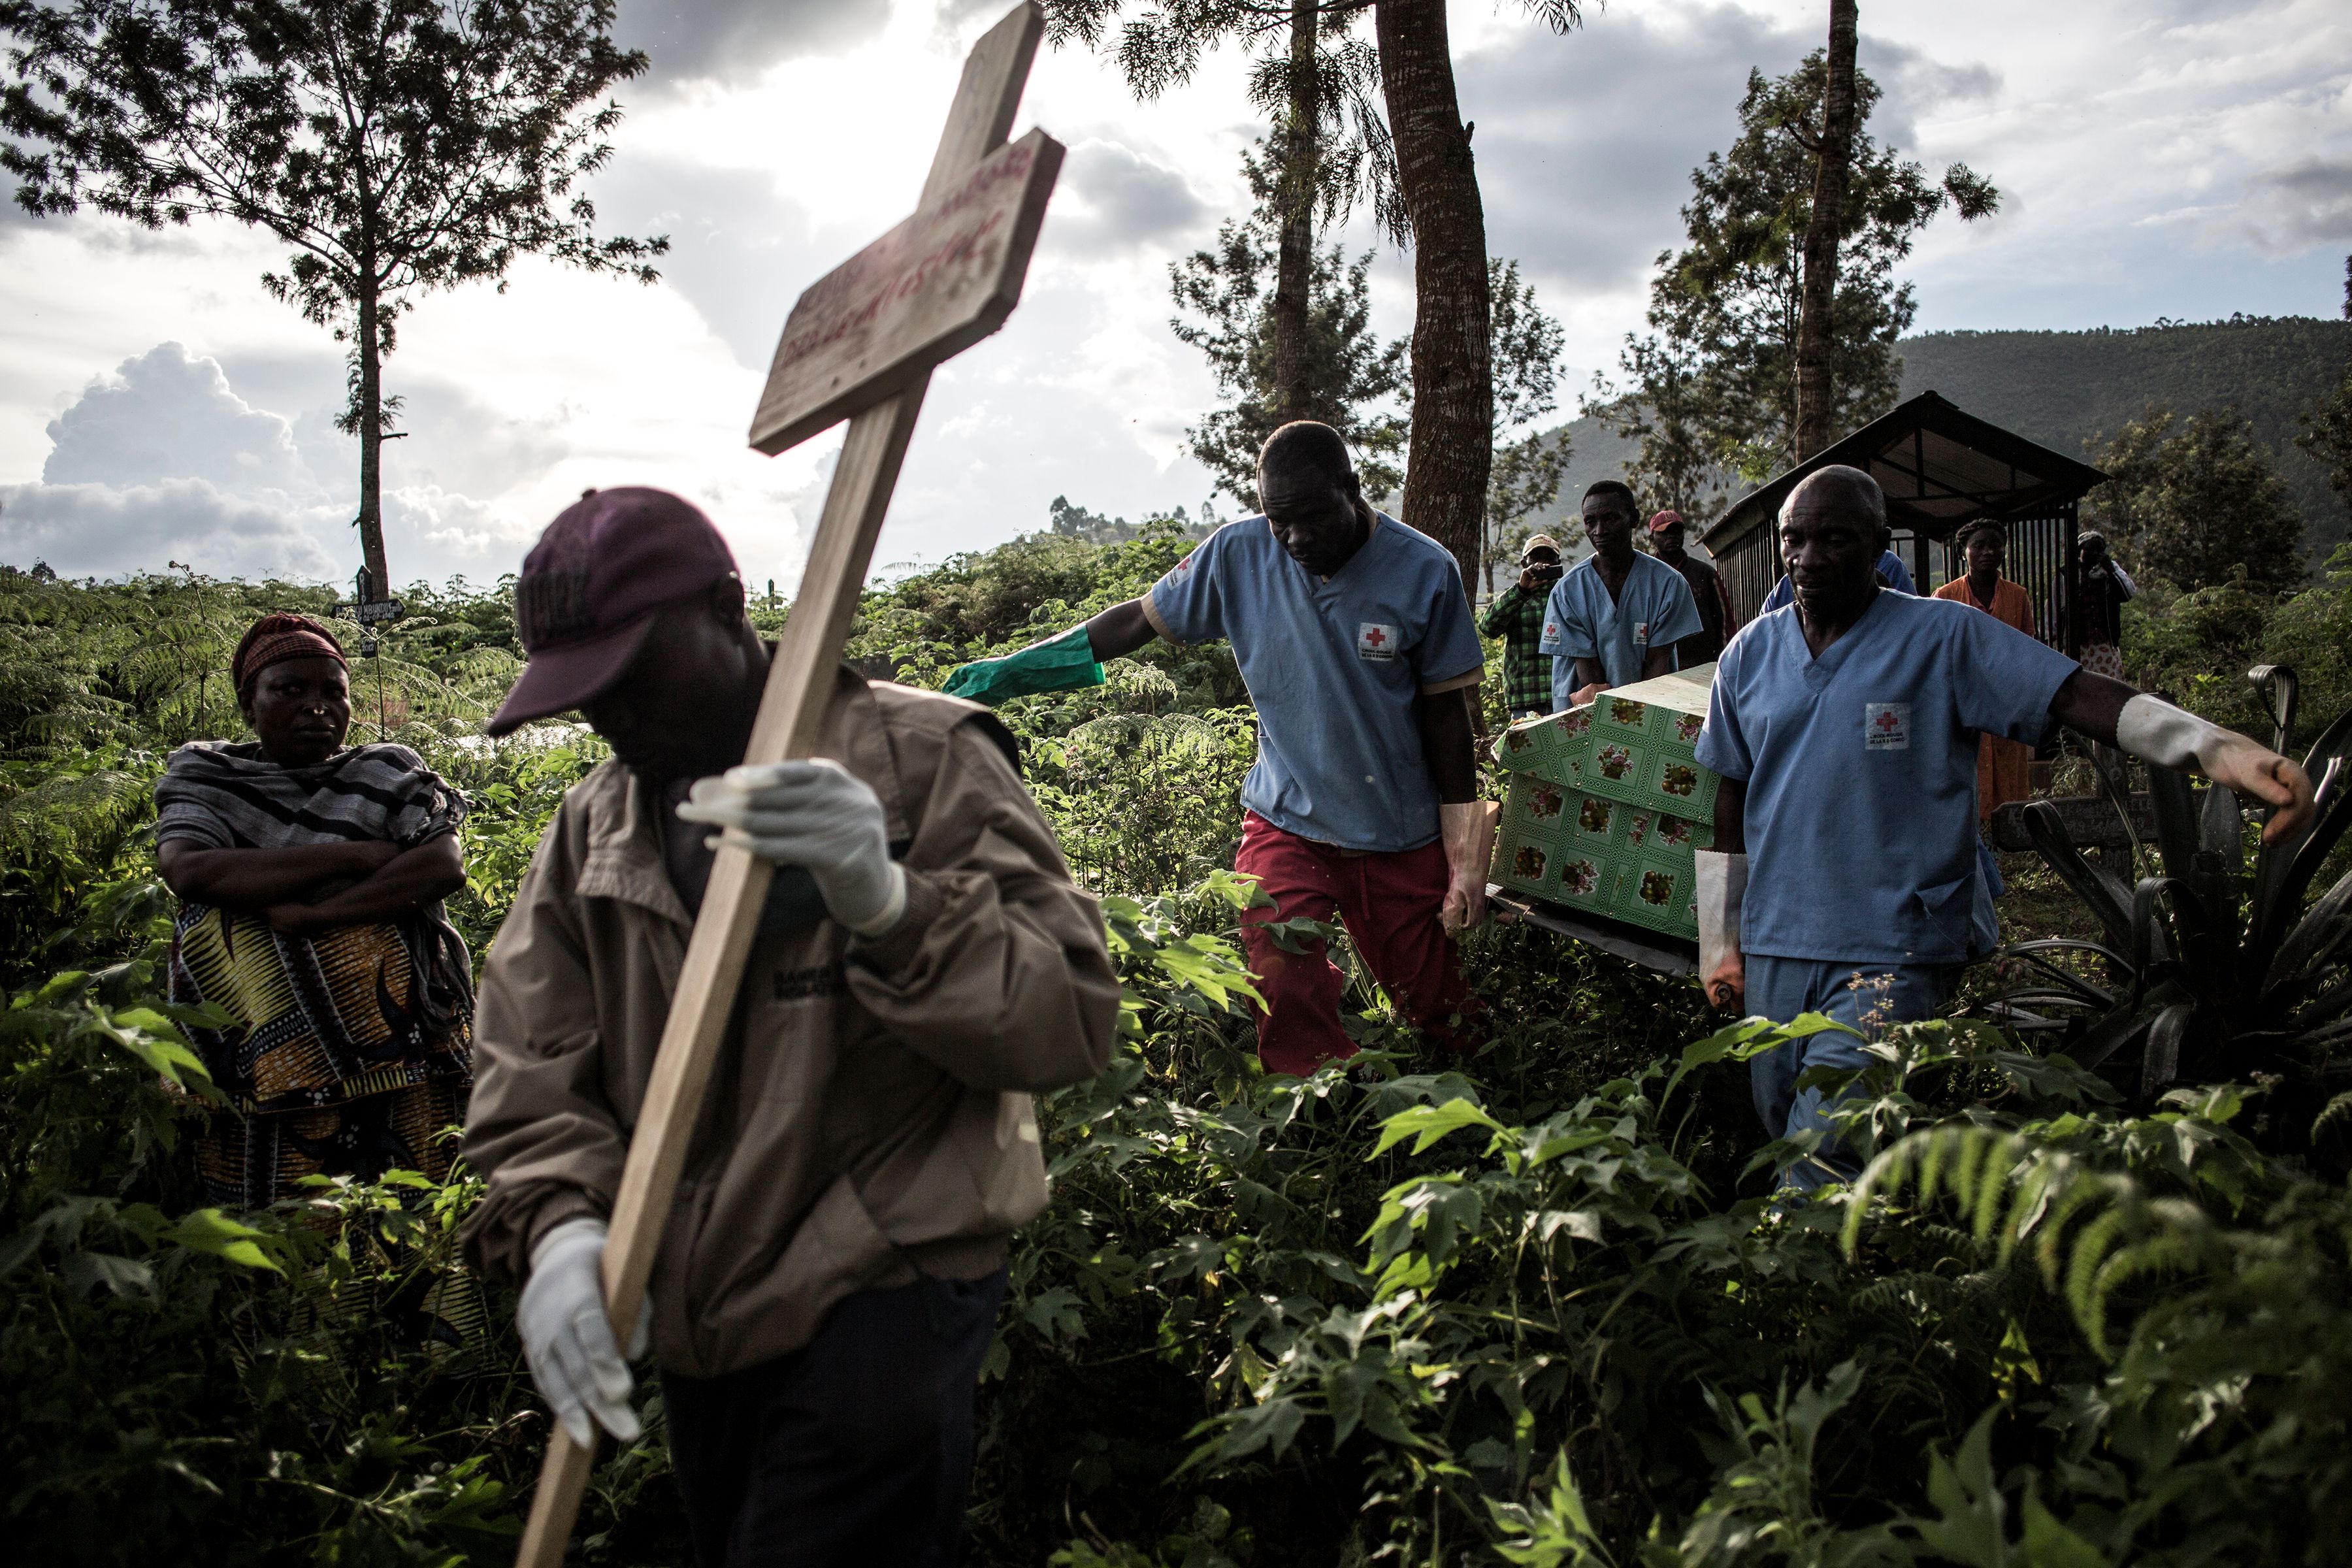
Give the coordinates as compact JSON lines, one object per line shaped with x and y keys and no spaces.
{"x":278,"y":637}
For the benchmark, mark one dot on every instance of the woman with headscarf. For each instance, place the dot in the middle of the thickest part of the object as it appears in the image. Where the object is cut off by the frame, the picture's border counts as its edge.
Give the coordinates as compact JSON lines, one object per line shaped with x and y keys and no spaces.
{"x":310,"y":879}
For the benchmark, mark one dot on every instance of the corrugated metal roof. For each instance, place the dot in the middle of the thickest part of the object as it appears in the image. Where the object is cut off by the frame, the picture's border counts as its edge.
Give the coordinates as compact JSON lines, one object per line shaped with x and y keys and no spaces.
{"x":1938,"y":463}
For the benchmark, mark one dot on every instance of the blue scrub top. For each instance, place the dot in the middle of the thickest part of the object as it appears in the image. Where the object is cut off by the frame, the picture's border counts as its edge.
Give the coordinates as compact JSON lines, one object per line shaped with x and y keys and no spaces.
{"x":1861,"y":772}
{"x":1655,"y":609}
{"x":1333,"y":667}
{"x":1890,"y":566}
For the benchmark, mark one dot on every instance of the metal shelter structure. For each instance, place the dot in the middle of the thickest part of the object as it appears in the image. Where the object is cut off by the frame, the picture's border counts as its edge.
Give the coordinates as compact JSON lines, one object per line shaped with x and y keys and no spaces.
{"x":1940,"y":466}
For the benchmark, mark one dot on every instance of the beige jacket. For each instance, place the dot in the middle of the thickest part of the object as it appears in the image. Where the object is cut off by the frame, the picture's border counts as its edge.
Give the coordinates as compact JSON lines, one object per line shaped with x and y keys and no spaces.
{"x":870,"y":1114}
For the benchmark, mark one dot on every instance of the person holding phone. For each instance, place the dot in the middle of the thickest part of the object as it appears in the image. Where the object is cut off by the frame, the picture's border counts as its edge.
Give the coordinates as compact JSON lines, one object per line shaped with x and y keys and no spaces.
{"x":1517,"y":615}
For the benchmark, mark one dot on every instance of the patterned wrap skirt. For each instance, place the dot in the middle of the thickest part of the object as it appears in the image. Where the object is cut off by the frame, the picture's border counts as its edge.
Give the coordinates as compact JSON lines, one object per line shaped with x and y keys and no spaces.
{"x":348,"y":1054}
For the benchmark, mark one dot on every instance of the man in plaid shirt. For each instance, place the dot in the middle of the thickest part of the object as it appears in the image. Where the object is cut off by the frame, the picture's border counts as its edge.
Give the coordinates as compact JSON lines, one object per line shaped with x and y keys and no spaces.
{"x":1517,"y":615}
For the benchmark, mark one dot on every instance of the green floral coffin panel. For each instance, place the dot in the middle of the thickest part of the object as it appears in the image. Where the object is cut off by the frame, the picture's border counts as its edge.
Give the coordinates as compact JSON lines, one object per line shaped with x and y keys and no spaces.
{"x":1608,"y":805}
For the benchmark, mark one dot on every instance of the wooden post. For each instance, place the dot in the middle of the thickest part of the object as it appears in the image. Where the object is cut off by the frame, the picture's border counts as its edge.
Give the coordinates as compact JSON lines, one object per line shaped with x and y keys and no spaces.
{"x":861,"y":342}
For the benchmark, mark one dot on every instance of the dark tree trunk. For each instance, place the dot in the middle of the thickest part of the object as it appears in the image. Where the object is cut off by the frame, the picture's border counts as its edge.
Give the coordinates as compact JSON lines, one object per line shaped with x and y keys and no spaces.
{"x":1453,"y":385}
{"x":1295,"y":259}
{"x":368,"y":406}
{"x":1816,"y":425}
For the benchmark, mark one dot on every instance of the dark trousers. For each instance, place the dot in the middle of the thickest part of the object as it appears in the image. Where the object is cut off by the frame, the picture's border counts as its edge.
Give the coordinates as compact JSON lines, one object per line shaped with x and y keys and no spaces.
{"x":854,"y":1450}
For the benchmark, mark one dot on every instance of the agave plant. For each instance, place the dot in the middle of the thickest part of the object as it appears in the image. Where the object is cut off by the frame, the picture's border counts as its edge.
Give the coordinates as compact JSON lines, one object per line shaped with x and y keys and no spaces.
{"x":2207,"y":971}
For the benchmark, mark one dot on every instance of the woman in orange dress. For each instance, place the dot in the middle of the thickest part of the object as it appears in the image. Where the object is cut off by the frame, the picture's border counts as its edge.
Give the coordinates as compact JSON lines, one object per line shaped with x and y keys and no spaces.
{"x":2002,"y":766}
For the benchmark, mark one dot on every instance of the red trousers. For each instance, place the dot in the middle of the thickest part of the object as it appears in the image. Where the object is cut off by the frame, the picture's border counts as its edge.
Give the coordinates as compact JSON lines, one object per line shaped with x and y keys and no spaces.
{"x":1389,"y":904}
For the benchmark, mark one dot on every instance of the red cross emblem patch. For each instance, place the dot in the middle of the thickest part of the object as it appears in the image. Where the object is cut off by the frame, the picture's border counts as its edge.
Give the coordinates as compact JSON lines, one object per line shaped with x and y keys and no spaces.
{"x":1886,"y":726}
{"x":1374,"y":640}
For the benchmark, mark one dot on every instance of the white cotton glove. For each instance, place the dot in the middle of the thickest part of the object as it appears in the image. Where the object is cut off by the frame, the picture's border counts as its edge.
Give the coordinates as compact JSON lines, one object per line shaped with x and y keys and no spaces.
{"x":815,"y":813}
{"x":2156,"y":732}
{"x":568,"y":1338}
{"x":1722,"y":968}
{"x":1466,"y":827}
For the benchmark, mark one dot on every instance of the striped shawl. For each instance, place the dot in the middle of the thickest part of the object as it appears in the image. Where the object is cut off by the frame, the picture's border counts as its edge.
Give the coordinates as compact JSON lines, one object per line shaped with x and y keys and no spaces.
{"x":352,"y":1011}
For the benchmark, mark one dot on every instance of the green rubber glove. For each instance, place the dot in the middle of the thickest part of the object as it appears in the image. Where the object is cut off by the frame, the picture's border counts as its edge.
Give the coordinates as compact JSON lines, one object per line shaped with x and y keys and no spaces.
{"x":1058,"y":664}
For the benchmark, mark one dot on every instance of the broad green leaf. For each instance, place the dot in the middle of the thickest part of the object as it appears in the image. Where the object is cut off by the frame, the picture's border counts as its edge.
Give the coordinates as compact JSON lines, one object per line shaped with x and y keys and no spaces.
{"x":1425,"y":1124}
{"x":2050,"y":1544}
{"x":1967,"y":1501}
{"x":85,"y":1271}
{"x":1055,"y":1315}
{"x":210,"y":1231}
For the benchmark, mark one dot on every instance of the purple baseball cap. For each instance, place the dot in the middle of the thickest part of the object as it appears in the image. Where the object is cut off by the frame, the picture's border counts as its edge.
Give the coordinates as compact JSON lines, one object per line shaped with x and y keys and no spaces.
{"x":590,"y":587}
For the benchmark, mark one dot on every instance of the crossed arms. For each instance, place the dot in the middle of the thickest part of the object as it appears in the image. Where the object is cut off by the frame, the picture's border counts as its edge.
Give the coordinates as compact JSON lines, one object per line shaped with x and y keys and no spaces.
{"x":376,"y":879}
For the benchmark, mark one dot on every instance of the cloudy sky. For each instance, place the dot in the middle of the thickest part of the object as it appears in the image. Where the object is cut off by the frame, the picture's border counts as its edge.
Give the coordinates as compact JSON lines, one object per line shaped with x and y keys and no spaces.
{"x":2157,"y":158}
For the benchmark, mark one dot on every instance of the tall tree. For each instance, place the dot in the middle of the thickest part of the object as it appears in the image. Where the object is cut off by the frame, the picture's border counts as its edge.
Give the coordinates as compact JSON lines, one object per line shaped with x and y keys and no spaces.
{"x":1453,"y":390}
{"x":2197,"y":501}
{"x":1348,"y":377}
{"x":1724,"y":311}
{"x":1452,"y":386}
{"x":1354,"y":381}
{"x":394,"y":146}
{"x":1675,"y":463}
{"x":1416,"y":170}
{"x":1523,"y":347}
{"x":1833,"y":147}
{"x":1294,"y":260}
{"x":1329,"y":151}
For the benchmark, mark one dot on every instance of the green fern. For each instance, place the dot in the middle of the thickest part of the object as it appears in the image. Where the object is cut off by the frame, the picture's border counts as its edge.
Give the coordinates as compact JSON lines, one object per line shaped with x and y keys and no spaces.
{"x":70,"y":814}
{"x":2092,"y":1231}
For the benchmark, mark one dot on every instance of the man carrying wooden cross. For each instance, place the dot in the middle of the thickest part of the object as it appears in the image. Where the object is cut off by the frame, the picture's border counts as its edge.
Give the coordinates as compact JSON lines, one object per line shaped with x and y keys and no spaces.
{"x":1846,"y":728}
{"x":1355,"y":639}
{"x":830,"y":1270}
{"x":804,"y":1104}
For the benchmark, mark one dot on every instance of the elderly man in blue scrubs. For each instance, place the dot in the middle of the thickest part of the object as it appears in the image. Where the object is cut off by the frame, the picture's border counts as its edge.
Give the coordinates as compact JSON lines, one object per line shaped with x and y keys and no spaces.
{"x":1615,"y":618}
{"x":1845,"y":728}
{"x":1892,"y":574}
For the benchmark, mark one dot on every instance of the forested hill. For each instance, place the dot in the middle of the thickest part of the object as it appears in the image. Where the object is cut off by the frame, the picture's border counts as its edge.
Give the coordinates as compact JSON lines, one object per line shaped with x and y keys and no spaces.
{"x":2064,"y":388}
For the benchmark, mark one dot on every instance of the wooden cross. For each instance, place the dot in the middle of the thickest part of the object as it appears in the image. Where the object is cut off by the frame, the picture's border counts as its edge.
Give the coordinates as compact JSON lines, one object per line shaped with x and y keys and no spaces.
{"x":860,"y":345}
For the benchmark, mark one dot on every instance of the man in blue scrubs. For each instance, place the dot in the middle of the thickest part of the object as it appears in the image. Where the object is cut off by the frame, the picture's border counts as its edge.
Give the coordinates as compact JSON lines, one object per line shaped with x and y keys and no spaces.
{"x":1356,"y":641}
{"x":1892,"y":574}
{"x":1615,"y":618}
{"x":1845,"y":728}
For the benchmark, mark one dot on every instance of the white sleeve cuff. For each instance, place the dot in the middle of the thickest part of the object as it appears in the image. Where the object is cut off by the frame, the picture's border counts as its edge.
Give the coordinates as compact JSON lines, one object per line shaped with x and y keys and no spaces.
{"x":1722,"y":880}
{"x":894,"y":906}
{"x":2156,"y":732}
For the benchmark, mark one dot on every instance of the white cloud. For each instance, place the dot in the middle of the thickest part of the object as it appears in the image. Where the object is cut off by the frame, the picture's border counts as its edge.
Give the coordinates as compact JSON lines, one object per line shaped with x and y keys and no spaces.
{"x":2307,"y":203}
{"x":456,"y":527}
{"x":1113,"y":198}
{"x":105,"y":531}
{"x":162,"y":460}
{"x":731,"y":40}
{"x":165,"y":415}
{"x":771,"y":141}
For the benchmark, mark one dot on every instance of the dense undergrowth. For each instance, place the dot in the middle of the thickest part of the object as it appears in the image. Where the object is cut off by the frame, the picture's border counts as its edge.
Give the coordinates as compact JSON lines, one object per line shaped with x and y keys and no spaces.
{"x":1534,"y":1305}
